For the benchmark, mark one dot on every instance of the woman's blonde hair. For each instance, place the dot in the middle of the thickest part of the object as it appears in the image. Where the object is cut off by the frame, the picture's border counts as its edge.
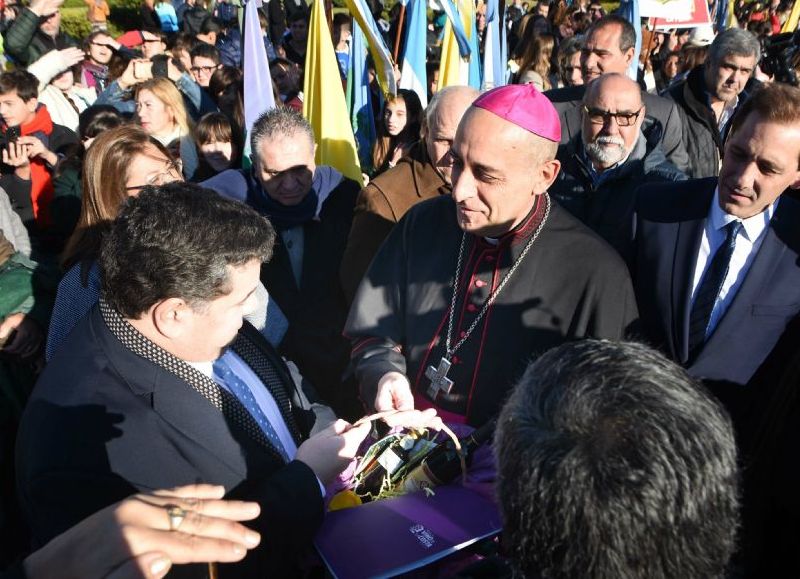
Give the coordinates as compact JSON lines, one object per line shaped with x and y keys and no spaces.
{"x":164,"y":90}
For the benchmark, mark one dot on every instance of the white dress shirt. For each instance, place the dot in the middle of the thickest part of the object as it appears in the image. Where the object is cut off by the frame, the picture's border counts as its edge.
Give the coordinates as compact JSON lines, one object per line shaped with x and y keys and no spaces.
{"x":748,"y":243}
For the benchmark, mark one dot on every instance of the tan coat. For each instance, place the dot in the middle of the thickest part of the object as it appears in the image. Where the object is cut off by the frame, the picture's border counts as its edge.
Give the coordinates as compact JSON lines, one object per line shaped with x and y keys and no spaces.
{"x":380,"y":205}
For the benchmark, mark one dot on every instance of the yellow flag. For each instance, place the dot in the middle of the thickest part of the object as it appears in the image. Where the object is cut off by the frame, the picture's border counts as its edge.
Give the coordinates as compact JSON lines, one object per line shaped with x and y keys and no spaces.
{"x":453,"y":69}
{"x":791,"y":23}
{"x":327,"y":111}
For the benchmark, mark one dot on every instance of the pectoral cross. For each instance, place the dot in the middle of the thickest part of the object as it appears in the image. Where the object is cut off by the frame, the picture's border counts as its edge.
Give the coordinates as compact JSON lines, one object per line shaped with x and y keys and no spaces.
{"x":439,"y":380}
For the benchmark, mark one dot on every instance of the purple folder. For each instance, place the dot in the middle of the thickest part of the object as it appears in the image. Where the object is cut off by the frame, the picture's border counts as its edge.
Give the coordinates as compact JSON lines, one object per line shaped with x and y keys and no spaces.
{"x":394,"y":536}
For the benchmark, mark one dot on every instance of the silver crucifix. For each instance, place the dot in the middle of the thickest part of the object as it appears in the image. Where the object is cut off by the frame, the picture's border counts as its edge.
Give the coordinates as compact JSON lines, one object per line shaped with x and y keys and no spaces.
{"x":439,"y":380}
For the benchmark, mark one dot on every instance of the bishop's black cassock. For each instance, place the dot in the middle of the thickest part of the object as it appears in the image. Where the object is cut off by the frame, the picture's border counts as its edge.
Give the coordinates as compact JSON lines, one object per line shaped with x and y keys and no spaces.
{"x":570,"y":285}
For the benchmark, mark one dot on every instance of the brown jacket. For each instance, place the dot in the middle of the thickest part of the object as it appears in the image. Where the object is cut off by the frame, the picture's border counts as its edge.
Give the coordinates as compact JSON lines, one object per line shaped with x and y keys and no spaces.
{"x":380,"y":205}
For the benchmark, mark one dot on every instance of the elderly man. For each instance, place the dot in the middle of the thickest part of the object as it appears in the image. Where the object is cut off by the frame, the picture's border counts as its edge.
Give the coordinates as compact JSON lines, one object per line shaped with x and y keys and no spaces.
{"x":163,"y":385}
{"x":614,"y":463}
{"x":609,"y":47}
{"x":422,"y":175}
{"x":602,"y":166}
{"x":710,"y":95}
{"x":468,"y":287}
{"x":35,"y":31}
{"x":312,"y":209}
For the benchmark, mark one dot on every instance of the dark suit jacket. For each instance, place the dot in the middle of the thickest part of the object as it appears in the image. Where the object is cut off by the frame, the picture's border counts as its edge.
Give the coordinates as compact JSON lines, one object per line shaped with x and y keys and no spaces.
{"x":670,"y":222}
{"x":662,"y":121}
{"x":104,"y":423}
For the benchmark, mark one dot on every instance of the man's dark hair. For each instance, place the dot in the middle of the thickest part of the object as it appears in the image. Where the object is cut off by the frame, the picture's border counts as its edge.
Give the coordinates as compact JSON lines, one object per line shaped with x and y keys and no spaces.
{"x":209,"y":25}
{"x":177,"y":240}
{"x":24,"y":83}
{"x":627,"y":39}
{"x":205,"y":50}
{"x":613,"y":462}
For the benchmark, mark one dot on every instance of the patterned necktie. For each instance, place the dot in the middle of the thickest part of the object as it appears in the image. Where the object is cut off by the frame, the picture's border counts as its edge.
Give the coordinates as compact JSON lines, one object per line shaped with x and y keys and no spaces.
{"x":709,"y":289}
{"x":243,"y":393}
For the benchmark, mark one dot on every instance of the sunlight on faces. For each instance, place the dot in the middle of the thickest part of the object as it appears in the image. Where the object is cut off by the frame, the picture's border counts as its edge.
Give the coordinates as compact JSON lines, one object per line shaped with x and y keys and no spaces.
{"x":441,"y":127}
{"x":609,"y":143}
{"x":202,"y":69}
{"x":150,"y":167}
{"x":155,"y":117}
{"x":762,"y":160}
{"x":601,"y":53}
{"x":218,"y":154}
{"x":16,"y":111}
{"x":201,"y":332}
{"x":285,"y":167}
{"x":64,"y":80}
{"x":51,"y":24}
{"x":498,"y":170}
{"x":728,"y":79}
{"x":394,"y":116}
{"x":99,"y":50}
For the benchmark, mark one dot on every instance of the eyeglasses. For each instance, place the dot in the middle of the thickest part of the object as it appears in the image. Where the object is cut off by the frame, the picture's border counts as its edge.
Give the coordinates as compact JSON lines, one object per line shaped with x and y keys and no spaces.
{"x":599,"y":116}
{"x":170,"y":173}
{"x":205,"y":69}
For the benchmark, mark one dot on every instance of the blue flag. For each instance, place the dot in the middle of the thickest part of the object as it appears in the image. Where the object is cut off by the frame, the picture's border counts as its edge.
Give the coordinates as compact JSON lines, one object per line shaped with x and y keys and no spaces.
{"x":414,"y":75}
{"x":629,"y":9}
{"x":495,"y":49}
{"x":359,"y":99}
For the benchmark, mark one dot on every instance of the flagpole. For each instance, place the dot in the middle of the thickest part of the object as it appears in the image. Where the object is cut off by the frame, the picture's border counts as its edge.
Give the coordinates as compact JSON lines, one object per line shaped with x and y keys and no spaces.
{"x":650,"y":42}
{"x":399,"y":31}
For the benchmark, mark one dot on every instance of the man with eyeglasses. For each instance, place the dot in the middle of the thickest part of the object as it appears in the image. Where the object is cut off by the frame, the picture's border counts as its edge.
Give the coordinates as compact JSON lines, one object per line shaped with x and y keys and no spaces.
{"x":610,"y":157}
{"x":311,"y":207}
{"x":205,"y":60}
{"x":35,"y":31}
{"x":609,"y":47}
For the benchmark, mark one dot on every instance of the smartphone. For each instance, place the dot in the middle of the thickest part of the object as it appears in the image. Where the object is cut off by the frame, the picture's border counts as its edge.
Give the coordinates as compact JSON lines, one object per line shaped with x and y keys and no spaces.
{"x":12,"y":134}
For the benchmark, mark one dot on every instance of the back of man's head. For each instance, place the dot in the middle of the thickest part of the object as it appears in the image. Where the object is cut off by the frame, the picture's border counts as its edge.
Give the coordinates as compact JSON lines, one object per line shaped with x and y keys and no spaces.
{"x":177,"y":240}
{"x":614,"y":463}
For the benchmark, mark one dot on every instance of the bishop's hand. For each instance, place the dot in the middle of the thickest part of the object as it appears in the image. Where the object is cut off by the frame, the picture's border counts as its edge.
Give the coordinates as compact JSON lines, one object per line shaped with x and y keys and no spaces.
{"x":394,"y":393}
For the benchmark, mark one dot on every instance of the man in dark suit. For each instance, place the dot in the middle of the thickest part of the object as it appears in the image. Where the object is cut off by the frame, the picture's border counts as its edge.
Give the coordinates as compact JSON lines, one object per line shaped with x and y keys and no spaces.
{"x":311,"y":207}
{"x":717,"y":271}
{"x":609,"y":47}
{"x":161,"y":385}
{"x":723,"y":299}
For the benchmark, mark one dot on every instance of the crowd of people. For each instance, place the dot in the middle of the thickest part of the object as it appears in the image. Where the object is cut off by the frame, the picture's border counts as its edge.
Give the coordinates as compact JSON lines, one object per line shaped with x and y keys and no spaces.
{"x":607,"y":267}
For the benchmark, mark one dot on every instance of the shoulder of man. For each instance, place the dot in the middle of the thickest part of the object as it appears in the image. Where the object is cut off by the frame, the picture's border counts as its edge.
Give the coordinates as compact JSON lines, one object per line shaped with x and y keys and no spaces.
{"x":569,"y":96}
{"x":670,"y":202}
{"x":231,"y":183}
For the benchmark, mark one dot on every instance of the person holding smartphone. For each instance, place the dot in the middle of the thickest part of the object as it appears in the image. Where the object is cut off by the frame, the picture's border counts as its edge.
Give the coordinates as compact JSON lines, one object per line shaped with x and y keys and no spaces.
{"x":29,"y":151}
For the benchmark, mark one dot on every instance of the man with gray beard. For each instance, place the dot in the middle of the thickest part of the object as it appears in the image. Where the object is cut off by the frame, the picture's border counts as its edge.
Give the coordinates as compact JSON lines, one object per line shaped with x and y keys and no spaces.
{"x":603,"y":164}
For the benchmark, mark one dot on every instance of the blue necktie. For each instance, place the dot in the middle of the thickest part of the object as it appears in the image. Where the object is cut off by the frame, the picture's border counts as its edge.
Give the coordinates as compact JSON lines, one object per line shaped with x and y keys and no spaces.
{"x":243,"y":393}
{"x":708,"y":292}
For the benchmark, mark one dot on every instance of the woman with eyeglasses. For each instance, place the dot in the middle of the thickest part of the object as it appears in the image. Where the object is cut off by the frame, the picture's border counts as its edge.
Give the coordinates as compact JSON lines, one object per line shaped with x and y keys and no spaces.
{"x":119,"y":164}
{"x":161,"y":113}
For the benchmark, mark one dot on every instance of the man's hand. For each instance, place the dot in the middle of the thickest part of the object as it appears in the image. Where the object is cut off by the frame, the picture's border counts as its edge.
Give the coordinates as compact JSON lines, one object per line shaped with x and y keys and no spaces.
{"x":138,"y":70}
{"x":36,"y":148}
{"x":329,"y":452}
{"x":133,"y":538}
{"x":45,"y":7}
{"x":26,"y":338}
{"x":394,"y":393}
{"x":16,"y":155}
